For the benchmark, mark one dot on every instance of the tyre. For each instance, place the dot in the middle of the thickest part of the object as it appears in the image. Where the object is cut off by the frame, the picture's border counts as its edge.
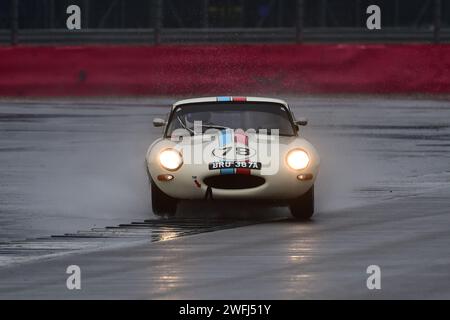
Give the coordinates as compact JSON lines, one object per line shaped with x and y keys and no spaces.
{"x":302,"y":208}
{"x":162,"y":204}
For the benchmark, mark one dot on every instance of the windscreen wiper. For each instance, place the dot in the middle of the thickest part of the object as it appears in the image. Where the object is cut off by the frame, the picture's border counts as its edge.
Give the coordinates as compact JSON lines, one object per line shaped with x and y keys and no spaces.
{"x":215,"y":126}
{"x":184,"y":125}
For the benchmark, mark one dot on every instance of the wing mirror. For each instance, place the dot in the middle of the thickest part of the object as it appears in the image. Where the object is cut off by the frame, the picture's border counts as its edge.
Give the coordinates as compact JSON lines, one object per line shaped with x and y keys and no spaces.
{"x":301,"y":121}
{"x":158,"y":122}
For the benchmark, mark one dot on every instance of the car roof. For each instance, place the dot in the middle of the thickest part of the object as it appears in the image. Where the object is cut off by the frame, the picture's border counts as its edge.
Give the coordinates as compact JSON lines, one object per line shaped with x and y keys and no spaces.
{"x":229,"y":99}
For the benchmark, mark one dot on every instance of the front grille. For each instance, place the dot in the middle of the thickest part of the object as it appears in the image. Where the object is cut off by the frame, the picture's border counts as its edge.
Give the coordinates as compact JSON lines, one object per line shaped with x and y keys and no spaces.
{"x":234,"y":181}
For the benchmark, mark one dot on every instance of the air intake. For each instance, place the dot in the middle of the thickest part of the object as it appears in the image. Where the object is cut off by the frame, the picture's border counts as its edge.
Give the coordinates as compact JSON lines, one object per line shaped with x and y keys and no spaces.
{"x":234,"y":181}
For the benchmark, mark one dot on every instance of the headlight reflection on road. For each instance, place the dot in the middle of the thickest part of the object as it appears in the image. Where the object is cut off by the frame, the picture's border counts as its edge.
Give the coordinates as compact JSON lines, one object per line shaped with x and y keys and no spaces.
{"x":167,"y":235}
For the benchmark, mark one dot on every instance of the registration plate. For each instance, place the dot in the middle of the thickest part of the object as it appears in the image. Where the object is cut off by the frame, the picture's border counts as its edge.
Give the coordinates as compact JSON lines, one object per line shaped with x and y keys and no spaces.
{"x":234,"y":165}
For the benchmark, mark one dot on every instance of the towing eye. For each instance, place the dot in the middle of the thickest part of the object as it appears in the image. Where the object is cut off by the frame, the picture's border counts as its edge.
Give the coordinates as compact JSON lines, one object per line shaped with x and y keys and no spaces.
{"x":208,"y":193}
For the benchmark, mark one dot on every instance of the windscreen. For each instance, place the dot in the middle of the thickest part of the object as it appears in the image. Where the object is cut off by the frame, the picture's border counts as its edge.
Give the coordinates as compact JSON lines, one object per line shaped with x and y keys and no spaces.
{"x":234,"y":115}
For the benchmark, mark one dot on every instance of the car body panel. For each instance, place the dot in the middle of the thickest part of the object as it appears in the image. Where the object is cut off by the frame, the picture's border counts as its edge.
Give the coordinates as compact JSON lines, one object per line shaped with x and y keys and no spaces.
{"x":218,"y":99}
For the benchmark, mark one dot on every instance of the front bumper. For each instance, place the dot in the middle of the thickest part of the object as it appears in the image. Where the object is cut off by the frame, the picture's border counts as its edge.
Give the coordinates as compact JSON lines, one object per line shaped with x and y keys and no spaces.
{"x":283,"y":185}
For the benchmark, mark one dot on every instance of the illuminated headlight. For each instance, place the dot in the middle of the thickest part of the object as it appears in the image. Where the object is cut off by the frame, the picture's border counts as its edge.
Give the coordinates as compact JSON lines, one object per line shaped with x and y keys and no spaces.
{"x":170,"y":159}
{"x":297,"y":159}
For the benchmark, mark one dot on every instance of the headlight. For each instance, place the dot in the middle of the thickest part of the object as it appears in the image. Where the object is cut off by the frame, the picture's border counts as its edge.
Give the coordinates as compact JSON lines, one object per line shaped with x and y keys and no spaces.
{"x":297,"y":159}
{"x":171,"y":159}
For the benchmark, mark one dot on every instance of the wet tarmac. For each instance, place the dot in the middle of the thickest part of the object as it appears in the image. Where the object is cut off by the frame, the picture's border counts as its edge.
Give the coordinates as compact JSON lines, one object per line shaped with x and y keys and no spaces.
{"x":73,"y":191}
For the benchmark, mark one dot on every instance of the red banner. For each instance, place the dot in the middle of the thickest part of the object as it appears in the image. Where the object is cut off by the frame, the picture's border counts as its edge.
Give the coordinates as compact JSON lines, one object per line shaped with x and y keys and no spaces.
{"x":223,"y":70}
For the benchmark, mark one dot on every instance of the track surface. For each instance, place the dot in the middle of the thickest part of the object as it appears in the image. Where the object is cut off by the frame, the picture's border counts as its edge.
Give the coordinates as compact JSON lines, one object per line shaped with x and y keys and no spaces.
{"x":383,"y":198}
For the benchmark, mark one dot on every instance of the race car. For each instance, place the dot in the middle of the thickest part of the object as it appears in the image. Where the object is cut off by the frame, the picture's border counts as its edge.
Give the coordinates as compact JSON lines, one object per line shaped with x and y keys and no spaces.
{"x":232,"y":148}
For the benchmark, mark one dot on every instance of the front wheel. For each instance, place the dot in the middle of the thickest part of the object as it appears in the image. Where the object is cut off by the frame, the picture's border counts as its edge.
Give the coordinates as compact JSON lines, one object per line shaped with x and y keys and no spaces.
{"x":162,"y":204}
{"x":302,"y":208}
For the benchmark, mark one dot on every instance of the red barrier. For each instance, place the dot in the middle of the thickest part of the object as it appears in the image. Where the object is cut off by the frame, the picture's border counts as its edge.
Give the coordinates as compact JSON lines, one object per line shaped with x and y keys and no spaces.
{"x":224,"y":69}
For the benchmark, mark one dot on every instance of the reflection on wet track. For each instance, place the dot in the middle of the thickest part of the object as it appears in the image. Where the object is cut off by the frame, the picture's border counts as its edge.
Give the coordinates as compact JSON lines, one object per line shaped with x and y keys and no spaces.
{"x":148,"y":230}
